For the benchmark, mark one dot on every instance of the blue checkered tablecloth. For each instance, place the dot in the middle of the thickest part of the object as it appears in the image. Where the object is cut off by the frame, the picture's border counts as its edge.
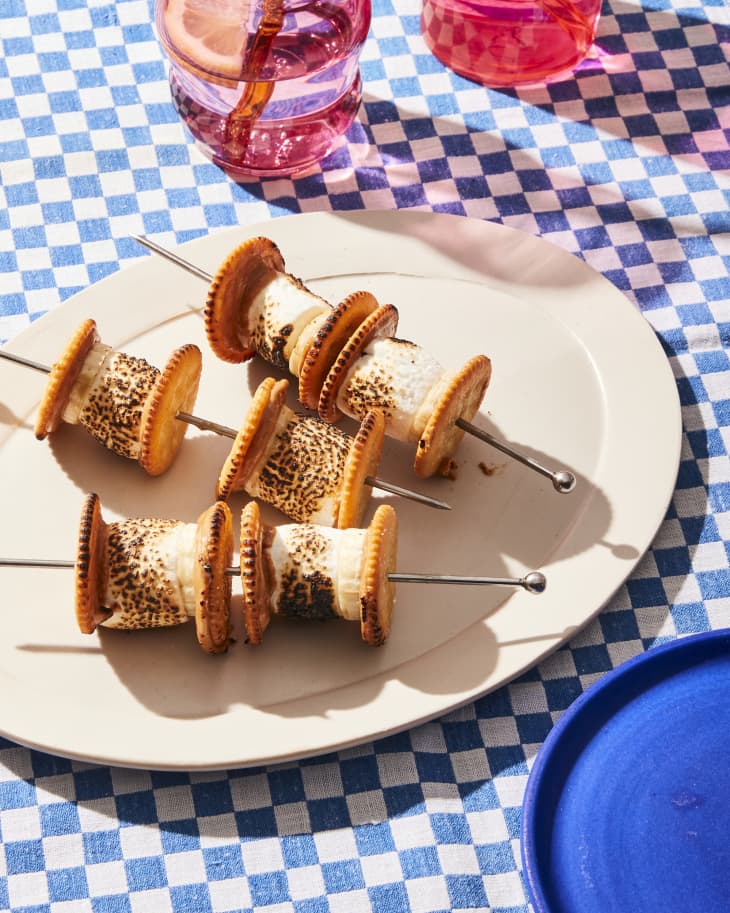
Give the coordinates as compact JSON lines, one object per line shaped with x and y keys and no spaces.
{"x":626,"y":165}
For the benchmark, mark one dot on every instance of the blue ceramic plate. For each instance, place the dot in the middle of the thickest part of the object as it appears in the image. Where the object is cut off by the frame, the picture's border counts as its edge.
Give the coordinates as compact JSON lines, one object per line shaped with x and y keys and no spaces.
{"x":627,"y":808}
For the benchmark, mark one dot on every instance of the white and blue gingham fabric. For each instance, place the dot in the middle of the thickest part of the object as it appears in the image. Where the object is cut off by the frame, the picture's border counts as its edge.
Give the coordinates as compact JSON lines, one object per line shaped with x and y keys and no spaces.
{"x":626,"y":165}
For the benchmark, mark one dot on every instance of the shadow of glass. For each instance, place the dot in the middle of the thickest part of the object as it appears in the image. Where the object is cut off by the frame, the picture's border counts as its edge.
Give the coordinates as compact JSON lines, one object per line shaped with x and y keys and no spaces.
{"x":645,"y":102}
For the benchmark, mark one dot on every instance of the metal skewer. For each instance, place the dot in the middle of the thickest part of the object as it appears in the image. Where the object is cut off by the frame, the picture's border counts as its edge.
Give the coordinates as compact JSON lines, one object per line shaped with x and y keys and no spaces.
{"x":18,"y":359}
{"x":373,"y":481}
{"x":172,"y":257}
{"x":223,"y":430}
{"x":35,"y":562}
{"x":563,"y":480}
{"x":534,"y":582}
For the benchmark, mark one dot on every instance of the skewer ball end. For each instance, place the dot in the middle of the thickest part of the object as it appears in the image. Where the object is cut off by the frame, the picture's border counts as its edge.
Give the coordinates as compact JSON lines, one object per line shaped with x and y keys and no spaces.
{"x":534,"y":582}
{"x":563,"y":481}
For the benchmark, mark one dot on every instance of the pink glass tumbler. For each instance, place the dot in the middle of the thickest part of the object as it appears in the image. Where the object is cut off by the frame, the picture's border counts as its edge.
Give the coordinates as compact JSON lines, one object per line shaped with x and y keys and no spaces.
{"x":510,"y":42}
{"x":266,"y":87}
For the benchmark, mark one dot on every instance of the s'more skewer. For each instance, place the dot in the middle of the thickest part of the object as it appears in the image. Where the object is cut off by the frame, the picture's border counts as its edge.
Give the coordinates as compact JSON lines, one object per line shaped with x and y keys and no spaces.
{"x":144,"y":573}
{"x":347,"y":358}
{"x":122,"y":401}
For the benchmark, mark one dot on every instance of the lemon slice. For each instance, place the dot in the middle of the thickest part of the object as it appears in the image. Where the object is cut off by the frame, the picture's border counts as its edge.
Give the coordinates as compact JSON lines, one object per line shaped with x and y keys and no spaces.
{"x":207,"y":37}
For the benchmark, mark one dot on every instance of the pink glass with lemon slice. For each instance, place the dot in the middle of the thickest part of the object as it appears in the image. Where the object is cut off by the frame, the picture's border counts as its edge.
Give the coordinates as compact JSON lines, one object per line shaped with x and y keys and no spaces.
{"x":266,"y":87}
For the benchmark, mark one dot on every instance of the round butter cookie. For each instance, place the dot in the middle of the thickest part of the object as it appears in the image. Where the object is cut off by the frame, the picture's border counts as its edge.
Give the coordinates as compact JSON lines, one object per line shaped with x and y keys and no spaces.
{"x":175,"y":390}
{"x":328,"y":343}
{"x":254,"y":579}
{"x":63,"y":375}
{"x":377,"y":592}
{"x":461,"y":399}
{"x":362,"y":461}
{"x":239,"y":279}
{"x":383,"y":321}
{"x":214,"y":554}
{"x":90,"y":569}
{"x":252,"y":439}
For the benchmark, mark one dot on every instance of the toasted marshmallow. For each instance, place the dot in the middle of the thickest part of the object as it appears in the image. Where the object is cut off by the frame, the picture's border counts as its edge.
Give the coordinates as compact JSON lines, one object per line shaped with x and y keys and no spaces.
{"x":112,"y":411}
{"x":279,"y":313}
{"x":350,"y":552}
{"x":399,"y":378}
{"x":316,"y":571}
{"x":252,"y":483}
{"x":150,"y":573}
{"x":95,"y":362}
{"x":306,"y":338}
{"x":302,"y":469}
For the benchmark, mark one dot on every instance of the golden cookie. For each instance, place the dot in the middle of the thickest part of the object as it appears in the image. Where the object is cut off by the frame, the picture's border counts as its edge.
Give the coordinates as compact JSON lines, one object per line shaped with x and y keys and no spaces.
{"x":461,"y":399}
{"x":362,"y":461}
{"x":63,"y":376}
{"x":90,"y":570}
{"x":253,"y":438}
{"x":328,"y":342}
{"x":255,"y":581}
{"x":239,"y":279}
{"x":377,"y":592}
{"x":214,"y":554}
{"x":175,"y":390}
{"x":383,"y":321}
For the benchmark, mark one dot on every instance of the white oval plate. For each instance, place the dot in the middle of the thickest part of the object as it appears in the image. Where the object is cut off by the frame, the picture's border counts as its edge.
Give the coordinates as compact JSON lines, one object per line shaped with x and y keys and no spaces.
{"x":579,"y":381}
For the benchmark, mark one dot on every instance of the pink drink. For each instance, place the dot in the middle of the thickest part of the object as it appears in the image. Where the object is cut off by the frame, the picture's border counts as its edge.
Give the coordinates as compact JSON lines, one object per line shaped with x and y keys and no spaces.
{"x":299,"y":88}
{"x":508,"y":42}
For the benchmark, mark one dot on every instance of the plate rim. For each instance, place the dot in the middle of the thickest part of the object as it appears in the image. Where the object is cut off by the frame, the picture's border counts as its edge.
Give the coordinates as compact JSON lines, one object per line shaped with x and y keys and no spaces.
{"x":370,"y":220}
{"x":697,"y":647}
